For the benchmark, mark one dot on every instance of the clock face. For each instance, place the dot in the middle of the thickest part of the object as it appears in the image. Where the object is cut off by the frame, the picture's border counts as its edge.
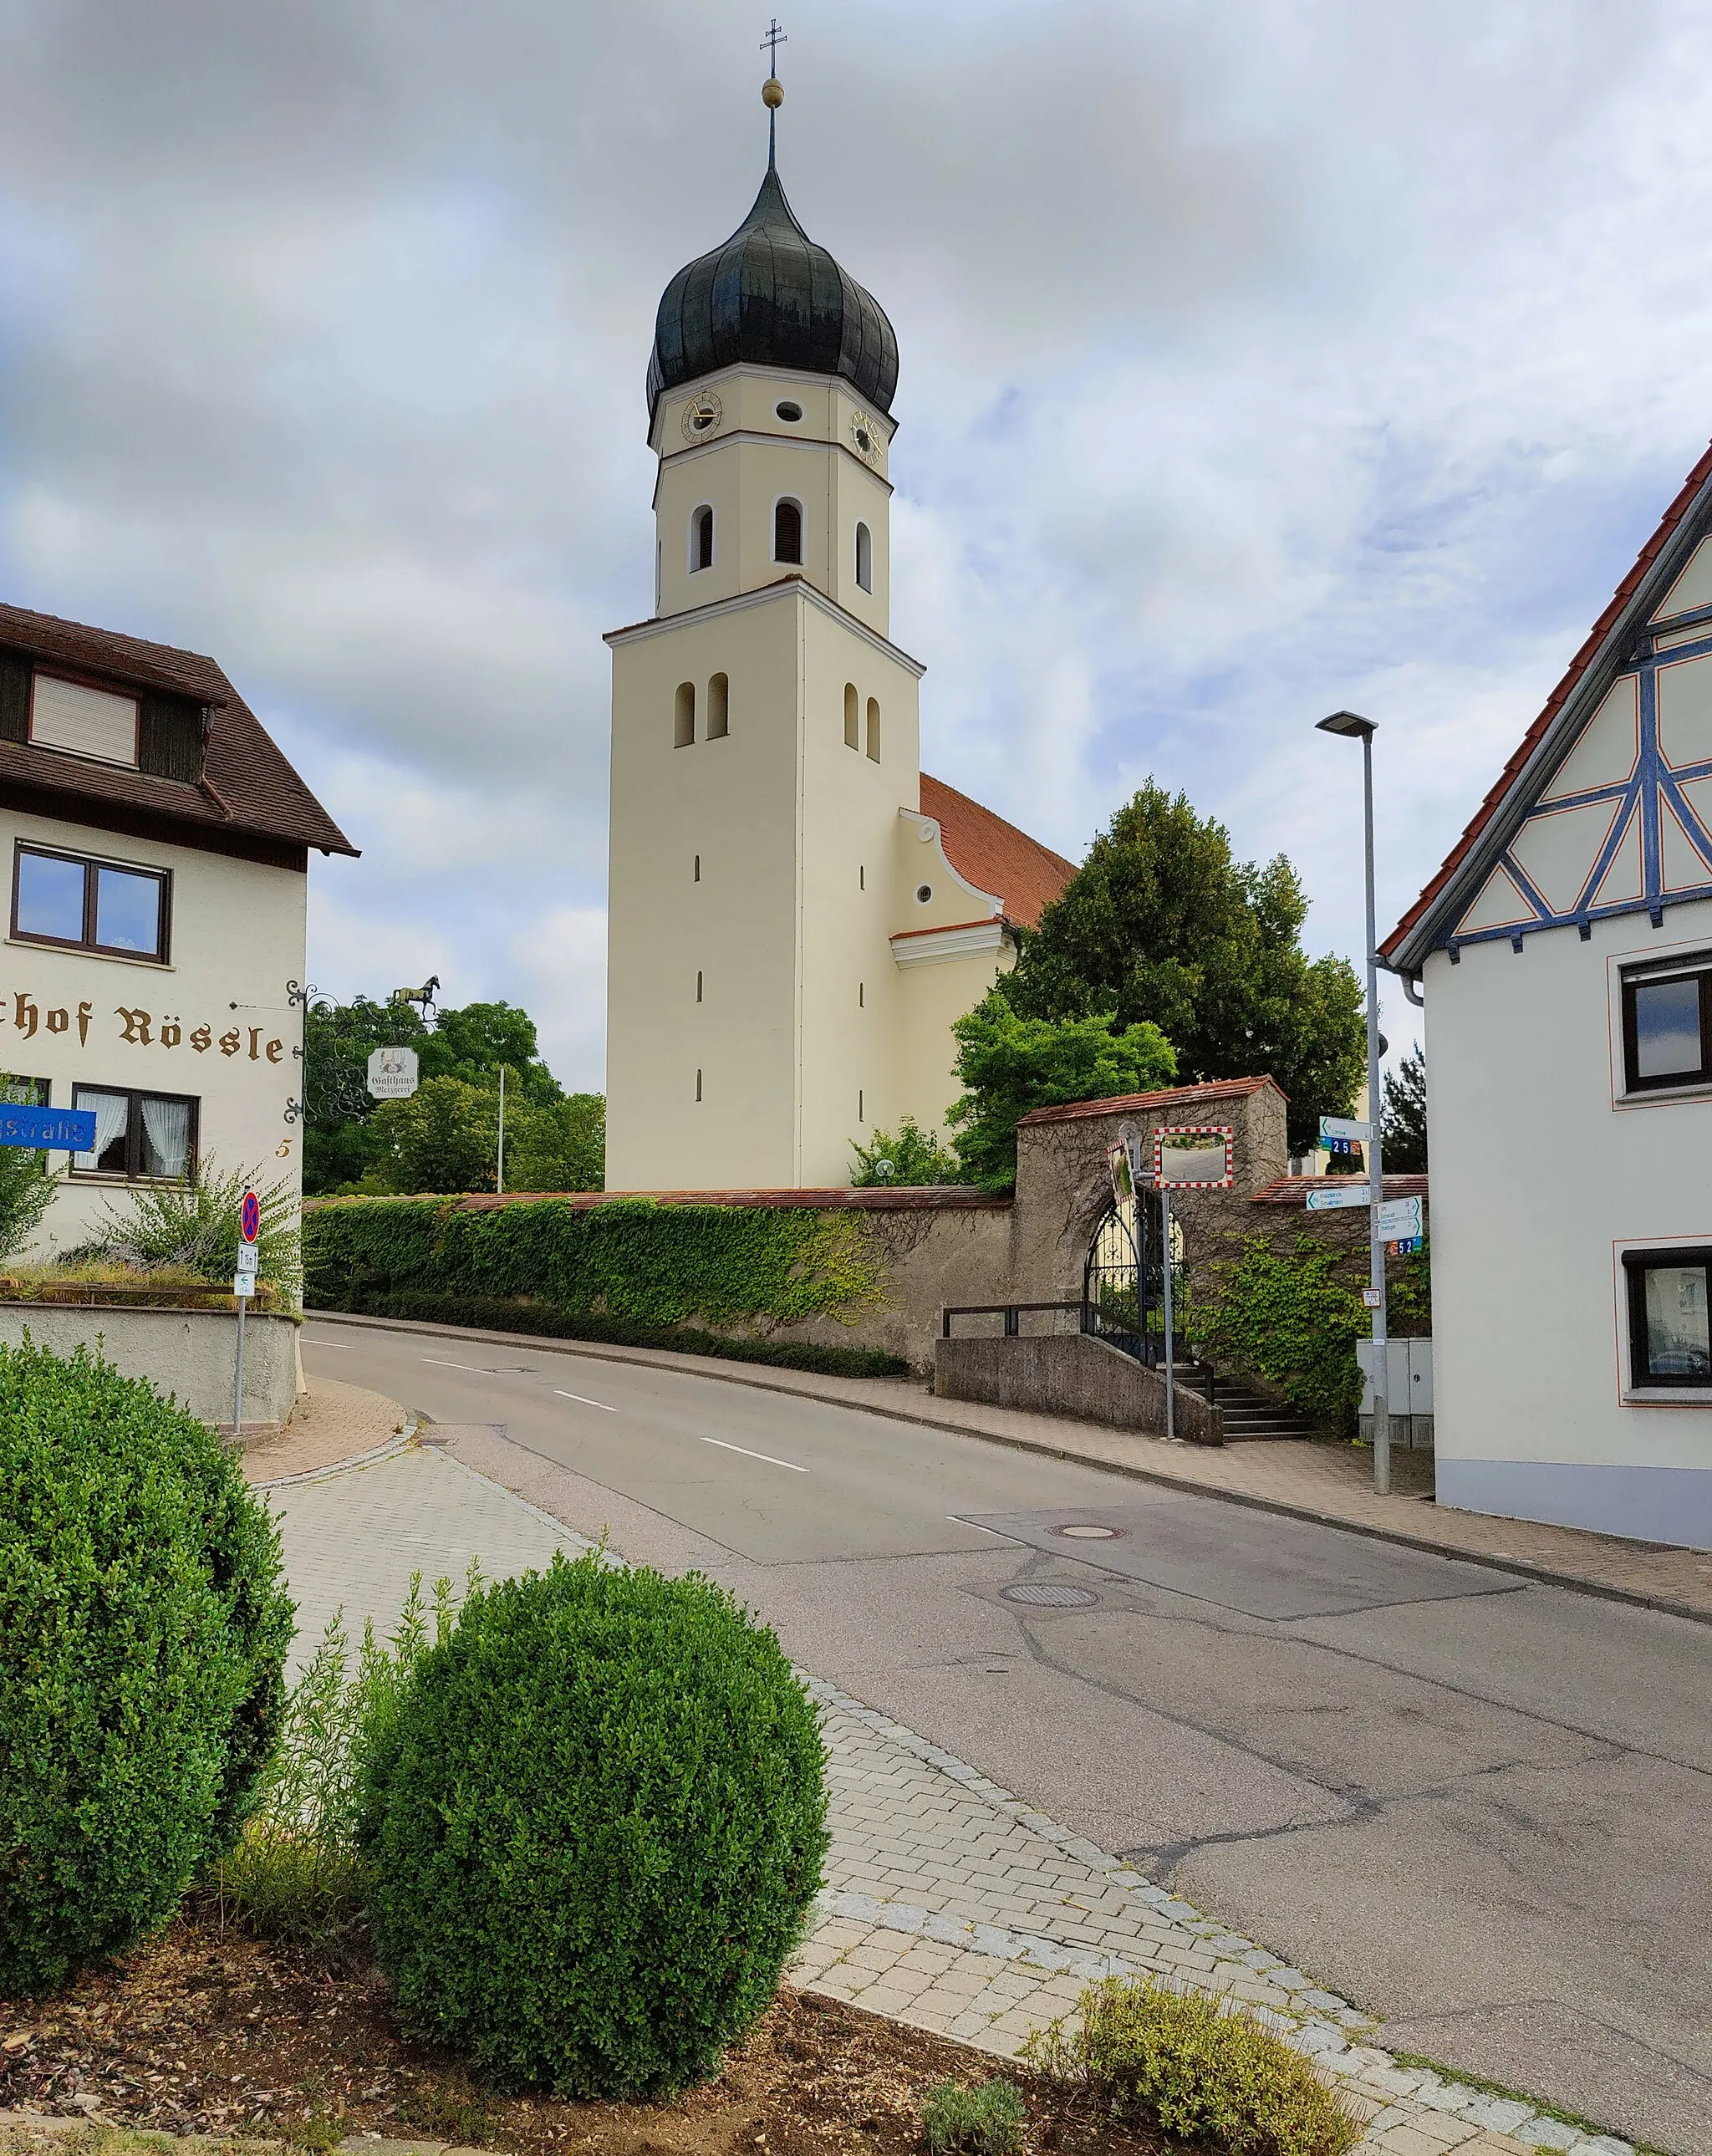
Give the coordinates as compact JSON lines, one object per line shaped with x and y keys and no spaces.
{"x":702,"y":415}
{"x":864,"y":438}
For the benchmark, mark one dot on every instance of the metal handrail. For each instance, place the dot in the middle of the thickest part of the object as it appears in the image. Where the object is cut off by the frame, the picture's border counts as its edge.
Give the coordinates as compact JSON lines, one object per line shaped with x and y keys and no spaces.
{"x":1008,"y":1311}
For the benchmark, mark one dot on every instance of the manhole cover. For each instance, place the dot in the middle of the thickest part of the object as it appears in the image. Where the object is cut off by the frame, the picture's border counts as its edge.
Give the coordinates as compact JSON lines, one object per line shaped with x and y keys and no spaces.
{"x":1050,"y":1594}
{"x":1089,"y":1533}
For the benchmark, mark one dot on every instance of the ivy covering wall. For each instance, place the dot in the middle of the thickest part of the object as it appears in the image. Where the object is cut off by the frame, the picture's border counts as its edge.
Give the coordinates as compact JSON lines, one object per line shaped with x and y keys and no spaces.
{"x":1293,"y":1317}
{"x":633,"y":1270}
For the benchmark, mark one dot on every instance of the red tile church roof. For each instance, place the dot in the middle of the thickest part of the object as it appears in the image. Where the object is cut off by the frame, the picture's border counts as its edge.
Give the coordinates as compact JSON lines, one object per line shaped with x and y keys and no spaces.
{"x":994,"y":855}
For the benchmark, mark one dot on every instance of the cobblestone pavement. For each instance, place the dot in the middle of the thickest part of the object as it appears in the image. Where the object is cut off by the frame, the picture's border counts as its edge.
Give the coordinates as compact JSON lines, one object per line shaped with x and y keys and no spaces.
{"x":948,"y":1903}
{"x":330,"y":1423}
{"x":1328,"y":1482}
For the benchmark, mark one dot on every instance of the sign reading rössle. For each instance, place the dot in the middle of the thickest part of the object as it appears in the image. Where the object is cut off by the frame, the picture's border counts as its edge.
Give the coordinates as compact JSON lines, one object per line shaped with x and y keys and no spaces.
{"x":71,"y":1130}
{"x":131,"y":1025}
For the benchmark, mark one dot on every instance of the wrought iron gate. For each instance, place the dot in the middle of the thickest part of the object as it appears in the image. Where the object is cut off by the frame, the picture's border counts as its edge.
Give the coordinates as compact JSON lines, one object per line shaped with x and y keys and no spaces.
{"x":1112,"y":1308}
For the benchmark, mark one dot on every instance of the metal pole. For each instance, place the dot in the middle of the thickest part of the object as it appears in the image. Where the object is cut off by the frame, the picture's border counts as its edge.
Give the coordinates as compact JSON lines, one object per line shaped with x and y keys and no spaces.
{"x":500,"y":1177}
{"x":1171,"y":1401}
{"x":1375,"y":1170}
{"x":238,"y":1378}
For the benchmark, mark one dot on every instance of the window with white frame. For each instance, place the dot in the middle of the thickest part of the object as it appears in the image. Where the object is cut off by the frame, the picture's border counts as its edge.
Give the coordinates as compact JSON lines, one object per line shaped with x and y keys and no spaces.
{"x":864,"y":557}
{"x":1667,"y":1024}
{"x":787,"y":530}
{"x":1670,"y":1317}
{"x":701,"y":540}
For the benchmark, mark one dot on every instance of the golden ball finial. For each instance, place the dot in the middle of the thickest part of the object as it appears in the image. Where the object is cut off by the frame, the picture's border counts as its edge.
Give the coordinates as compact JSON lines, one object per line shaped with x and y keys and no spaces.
{"x":772,"y":92}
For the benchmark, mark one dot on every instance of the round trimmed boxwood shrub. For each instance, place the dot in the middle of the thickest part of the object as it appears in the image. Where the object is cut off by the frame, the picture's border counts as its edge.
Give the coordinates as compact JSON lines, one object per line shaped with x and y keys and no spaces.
{"x":593,"y":1824}
{"x":143,"y":1631}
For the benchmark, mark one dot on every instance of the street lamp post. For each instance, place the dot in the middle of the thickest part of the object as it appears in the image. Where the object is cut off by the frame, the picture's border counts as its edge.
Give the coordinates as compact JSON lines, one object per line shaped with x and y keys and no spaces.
{"x":1352,"y":724}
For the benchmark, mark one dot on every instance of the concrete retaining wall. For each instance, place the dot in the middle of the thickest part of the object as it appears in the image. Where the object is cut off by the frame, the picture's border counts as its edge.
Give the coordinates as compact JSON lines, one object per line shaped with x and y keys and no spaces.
{"x":1069,"y":1374}
{"x":185,"y":1352}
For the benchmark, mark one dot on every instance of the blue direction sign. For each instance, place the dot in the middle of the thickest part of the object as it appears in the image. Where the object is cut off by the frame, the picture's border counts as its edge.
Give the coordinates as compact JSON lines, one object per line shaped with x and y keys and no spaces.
{"x":59,"y":1130}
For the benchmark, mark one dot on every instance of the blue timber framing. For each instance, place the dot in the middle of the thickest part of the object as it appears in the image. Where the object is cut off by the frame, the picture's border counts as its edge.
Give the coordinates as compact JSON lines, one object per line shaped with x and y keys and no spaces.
{"x":1639,"y":795}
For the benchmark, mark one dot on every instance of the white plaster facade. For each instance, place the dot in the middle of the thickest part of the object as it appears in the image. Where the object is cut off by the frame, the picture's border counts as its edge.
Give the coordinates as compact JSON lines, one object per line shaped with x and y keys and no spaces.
{"x":1558,"y":1159}
{"x":156,"y":845}
{"x":213,"y":1025}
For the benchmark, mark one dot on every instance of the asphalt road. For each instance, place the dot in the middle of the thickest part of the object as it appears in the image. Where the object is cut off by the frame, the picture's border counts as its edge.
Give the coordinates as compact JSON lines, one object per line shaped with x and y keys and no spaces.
{"x":1480,"y":1807}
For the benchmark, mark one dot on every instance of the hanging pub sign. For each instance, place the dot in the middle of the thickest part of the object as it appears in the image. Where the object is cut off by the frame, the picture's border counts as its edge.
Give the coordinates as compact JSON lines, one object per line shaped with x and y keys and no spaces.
{"x":392,"y":1074}
{"x":1195,"y":1156}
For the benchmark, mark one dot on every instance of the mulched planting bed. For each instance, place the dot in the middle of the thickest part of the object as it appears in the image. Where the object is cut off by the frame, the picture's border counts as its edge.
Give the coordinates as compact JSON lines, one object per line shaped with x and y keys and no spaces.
{"x":204,"y":2032}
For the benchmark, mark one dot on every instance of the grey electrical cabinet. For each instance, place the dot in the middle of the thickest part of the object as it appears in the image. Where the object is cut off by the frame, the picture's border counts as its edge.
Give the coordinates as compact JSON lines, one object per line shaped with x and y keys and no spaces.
{"x":1408,"y":1391}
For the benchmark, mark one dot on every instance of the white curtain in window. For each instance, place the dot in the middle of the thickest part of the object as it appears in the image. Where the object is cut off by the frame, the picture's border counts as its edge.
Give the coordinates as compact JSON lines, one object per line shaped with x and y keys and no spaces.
{"x":112,"y":1113}
{"x":166,"y":1147}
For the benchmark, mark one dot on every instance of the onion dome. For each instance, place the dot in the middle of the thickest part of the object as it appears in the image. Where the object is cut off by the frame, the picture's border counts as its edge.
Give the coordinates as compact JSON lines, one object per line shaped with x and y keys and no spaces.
{"x":770,"y":297}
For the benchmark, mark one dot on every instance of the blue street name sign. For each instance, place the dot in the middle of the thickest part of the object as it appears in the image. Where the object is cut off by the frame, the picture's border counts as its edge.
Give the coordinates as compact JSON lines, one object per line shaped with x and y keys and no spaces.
{"x":64,"y":1130}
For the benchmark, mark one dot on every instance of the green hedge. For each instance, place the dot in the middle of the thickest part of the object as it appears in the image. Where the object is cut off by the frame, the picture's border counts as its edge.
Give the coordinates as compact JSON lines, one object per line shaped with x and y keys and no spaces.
{"x":492,"y":1314}
{"x":636,"y":1272}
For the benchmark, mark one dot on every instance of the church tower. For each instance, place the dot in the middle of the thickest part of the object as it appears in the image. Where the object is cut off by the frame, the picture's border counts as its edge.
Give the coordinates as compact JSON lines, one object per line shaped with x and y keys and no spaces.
{"x":769,"y":855}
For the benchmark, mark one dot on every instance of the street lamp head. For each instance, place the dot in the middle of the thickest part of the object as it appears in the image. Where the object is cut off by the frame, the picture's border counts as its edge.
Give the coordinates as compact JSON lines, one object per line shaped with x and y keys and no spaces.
{"x":1348,"y":723}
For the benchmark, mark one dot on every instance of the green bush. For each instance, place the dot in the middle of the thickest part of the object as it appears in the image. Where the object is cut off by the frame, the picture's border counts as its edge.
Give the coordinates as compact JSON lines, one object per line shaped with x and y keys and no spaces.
{"x":294,"y":1874}
{"x":143,"y":1631}
{"x":634,"y":1260}
{"x":911,"y":1159}
{"x":1010,"y":1065}
{"x":1180,"y":2062}
{"x":192,"y":1226}
{"x":594,"y":1828}
{"x":987,"y":2121}
{"x":491,"y":1314}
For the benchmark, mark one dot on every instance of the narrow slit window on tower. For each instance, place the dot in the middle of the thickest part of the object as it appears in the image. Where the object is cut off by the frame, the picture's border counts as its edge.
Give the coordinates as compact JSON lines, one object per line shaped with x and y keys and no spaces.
{"x":873,"y":729}
{"x":698,"y":1084}
{"x":719,"y":707}
{"x":701,"y":540}
{"x":861,"y":878}
{"x":684,"y":715}
{"x":698,"y":984}
{"x":864,"y":557}
{"x":860,"y":1116}
{"x":852,"y":717}
{"x":787,"y":530}
{"x":696,"y":878}
{"x":862,"y":995}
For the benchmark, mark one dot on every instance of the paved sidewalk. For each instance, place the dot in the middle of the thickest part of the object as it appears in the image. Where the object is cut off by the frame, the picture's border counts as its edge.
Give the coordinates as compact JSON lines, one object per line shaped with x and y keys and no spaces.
{"x":948,"y":1903}
{"x":1320,"y":1482}
{"x":330,"y":1423}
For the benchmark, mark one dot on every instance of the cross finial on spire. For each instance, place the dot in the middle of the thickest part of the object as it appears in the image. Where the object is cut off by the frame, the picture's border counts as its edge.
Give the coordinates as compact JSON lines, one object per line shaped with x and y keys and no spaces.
{"x":773,"y":91}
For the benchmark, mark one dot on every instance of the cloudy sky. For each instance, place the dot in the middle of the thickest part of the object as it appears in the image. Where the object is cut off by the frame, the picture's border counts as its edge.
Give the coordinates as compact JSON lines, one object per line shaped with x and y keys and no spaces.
{"x":1257,"y":359}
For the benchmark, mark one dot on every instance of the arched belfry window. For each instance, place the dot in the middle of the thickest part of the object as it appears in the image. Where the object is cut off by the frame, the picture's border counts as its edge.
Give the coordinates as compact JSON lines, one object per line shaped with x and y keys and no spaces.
{"x":787,"y":530}
{"x":719,"y":707}
{"x":701,"y":537}
{"x":873,"y":728}
{"x":852,"y":717}
{"x":864,"y":557}
{"x":684,"y":715}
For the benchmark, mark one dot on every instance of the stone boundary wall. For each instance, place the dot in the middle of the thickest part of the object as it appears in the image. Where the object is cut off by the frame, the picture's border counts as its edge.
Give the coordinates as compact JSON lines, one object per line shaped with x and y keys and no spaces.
{"x":1070,"y":1373}
{"x":189,"y":1353}
{"x":948,"y":1245}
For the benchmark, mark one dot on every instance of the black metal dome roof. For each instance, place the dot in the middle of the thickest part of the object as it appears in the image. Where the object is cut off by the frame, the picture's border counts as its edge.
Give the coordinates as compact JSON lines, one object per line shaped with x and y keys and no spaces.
{"x":771,"y":296}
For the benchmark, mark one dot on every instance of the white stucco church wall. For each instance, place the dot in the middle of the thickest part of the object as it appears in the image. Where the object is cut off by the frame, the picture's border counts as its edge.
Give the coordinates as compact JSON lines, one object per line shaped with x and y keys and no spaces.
{"x":793,"y":928}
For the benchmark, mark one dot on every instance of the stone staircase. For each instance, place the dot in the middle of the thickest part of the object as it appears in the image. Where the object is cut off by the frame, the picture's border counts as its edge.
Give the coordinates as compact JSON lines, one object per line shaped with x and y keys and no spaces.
{"x":1249,"y":1417}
